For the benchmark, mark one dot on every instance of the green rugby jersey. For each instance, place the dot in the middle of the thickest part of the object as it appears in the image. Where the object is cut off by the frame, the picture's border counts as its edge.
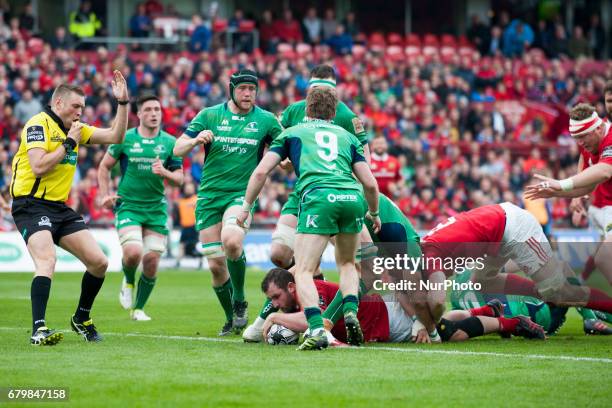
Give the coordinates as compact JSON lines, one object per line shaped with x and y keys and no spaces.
{"x":389,"y":213}
{"x":295,"y":114}
{"x":136,"y":155}
{"x":322,"y":154}
{"x":237,"y":146}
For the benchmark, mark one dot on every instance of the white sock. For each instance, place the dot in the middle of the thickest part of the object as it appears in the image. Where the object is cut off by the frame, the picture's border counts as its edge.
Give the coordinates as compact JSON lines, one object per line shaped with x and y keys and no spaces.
{"x":258,"y":323}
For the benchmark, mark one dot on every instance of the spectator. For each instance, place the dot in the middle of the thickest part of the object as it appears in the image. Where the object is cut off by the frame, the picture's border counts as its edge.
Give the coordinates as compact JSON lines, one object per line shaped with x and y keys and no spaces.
{"x":479,"y":34}
{"x":200,"y":86}
{"x":27,"y":107}
{"x":140,"y":23}
{"x":385,"y":168}
{"x":341,"y":42}
{"x":201,"y":35}
{"x":559,"y":44}
{"x":497,"y":41}
{"x":186,"y":216}
{"x":242,"y":41}
{"x":60,"y":40}
{"x":27,"y":21}
{"x":535,"y":162}
{"x":288,"y":29}
{"x":84,"y":23}
{"x":312,"y":26}
{"x":597,"y":37}
{"x":578,"y":46}
{"x":543,"y":37}
{"x":518,"y":36}
{"x":5,"y":31}
{"x":268,"y":33}
{"x":351,"y":25}
{"x":329,"y":24}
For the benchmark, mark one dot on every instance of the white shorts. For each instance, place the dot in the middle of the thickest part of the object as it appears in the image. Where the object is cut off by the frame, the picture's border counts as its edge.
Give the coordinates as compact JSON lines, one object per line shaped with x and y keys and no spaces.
{"x":601,"y":219}
{"x":400,"y":324}
{"x":524,"y":241}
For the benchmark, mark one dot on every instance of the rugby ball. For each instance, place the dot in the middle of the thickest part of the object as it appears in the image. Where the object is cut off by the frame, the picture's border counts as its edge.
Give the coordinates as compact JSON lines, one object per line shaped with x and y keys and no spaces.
{"x":280,"y":335}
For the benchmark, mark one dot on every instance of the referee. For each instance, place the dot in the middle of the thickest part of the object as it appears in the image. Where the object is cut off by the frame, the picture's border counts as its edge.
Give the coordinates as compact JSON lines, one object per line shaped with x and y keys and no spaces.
{"x":43,"y":169}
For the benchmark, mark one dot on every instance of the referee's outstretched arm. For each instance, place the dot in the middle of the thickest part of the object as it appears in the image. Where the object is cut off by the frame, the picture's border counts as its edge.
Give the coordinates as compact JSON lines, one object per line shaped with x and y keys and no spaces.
{"x":116,"y":133}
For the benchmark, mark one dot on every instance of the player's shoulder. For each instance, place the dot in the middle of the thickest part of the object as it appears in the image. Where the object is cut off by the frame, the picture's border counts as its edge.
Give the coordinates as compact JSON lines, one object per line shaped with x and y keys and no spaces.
{"x":213,"y":110}
{"x":265,"y":114}
{"x":167,"y":137}
{"x":606,"y":143}
{"x":41,"y":119}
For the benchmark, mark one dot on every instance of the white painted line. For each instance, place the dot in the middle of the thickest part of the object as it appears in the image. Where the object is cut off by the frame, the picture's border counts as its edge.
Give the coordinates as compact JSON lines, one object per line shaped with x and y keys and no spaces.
{"x":383,"y":348}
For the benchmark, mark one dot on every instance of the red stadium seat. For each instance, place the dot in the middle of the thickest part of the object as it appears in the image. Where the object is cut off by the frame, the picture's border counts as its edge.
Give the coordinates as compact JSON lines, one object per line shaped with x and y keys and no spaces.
{"x":395,"y":53}
{"x":358,"y":51}
{"x":413,"y":39}
{"x":395,"y":39}
{"x":376,"y":42}
{"x":430,"y":40}
{"x":285,"y":50}
{"x":412,"y":51}
{"x":219,"y":25}
{"x":430,"y":51}
{"x":466,"y":51}
{"x":447,"y":53}
{"x":464,"y":42}
{"x":246,"y":26}
{"x":447,"y":40}
{"x":303,"y":49}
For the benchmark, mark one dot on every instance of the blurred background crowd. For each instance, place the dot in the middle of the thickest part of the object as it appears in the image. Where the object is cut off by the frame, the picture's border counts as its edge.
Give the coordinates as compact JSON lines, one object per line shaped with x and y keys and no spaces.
{"x":453,"y":121}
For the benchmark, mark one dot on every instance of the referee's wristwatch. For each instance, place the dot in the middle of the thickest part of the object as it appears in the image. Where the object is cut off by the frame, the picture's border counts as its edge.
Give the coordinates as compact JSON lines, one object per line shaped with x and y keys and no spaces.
{"x":69,"y":144}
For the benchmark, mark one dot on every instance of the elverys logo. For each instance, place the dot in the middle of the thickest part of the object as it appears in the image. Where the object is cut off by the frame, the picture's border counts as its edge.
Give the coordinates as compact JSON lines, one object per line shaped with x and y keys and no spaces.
{"x":9,"y":252}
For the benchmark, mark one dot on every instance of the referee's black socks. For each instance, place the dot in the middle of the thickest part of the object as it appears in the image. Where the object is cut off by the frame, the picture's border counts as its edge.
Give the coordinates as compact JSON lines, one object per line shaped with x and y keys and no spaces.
{"x":90,"y":286}
{"x":39,"y":295}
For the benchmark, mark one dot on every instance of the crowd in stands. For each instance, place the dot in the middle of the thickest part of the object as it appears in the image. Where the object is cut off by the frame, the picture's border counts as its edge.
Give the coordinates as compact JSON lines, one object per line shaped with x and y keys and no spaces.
{"x":459,"y":131}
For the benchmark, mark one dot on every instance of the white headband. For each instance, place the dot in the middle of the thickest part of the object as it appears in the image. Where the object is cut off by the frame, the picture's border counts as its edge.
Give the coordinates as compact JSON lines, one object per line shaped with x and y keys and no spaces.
{"x":581,"y":127}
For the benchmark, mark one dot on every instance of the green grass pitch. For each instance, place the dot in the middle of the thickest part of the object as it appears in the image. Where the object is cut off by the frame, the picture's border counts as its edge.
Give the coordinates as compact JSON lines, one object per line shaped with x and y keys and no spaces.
{"x":177,"y":360}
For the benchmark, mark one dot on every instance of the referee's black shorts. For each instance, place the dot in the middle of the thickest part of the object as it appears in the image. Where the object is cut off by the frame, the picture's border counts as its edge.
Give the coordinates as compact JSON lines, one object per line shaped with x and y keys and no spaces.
{"x":33,"y":214}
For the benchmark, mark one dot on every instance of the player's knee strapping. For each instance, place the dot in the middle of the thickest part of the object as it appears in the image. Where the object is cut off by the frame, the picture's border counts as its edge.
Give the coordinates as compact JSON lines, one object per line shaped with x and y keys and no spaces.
{"x":154,"y":243}
{"x":472,"y":326}
{"x":131,"y":237}
{"x":230,"y":223}
{"x":284,"y":235}
{"x":212,"y":250}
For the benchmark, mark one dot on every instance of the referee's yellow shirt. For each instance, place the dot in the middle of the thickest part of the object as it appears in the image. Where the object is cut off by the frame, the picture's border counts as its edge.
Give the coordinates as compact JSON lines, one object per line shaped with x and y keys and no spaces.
{"x":46,"y":131}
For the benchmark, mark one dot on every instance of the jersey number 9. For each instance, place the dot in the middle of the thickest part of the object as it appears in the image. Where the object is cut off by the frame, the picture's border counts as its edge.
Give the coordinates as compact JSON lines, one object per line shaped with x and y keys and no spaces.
{"x":328,"y":143}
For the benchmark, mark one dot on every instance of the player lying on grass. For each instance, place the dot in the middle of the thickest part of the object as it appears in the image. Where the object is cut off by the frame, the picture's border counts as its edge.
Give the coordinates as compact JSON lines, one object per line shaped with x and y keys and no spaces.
{"x":550,"y":317}
{"x":395,"y":230}
{"x":386,"y":321}
{"x":496,"y":234}
{"x":331,"y":203}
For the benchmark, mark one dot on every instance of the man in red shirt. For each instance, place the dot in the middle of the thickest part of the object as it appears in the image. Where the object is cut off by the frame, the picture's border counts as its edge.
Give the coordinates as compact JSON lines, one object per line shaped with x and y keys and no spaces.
{"x":594,"y":137}
{"x":484,"y":240}
{"x":386,"y":168}
{"x":389,"y":321}
{"x":288,"y":29}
